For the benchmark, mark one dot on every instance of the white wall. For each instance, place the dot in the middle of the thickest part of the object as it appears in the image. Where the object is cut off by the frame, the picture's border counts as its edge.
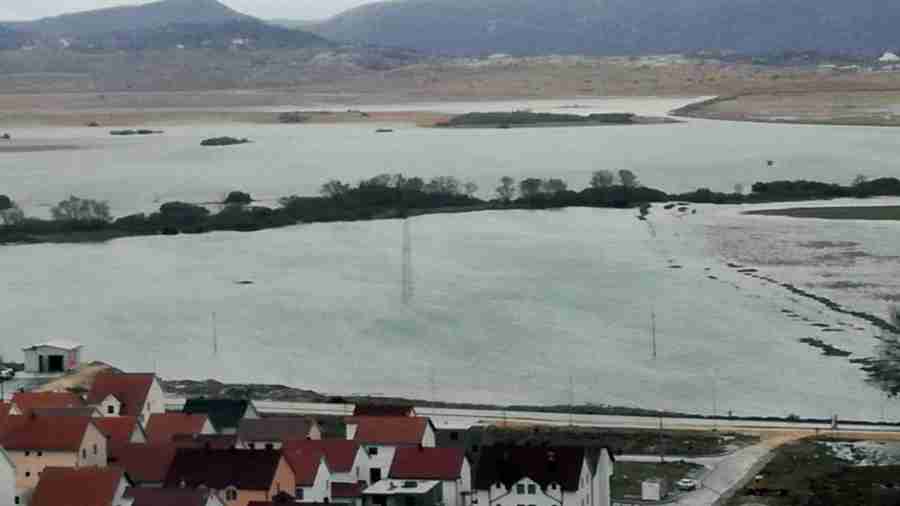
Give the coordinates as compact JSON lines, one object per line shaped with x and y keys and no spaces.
{"x":111,"y":402}
{"x":119,"y":499}
{"x":605,"y":468}
{"x":356,"y":473}
{"x":428,"y":439}
{"x":382,"y":460}
{"x":321,"y":489}
{"x":7,"y":479}
{"x":155,"y":403}
{"x":498,"y":495}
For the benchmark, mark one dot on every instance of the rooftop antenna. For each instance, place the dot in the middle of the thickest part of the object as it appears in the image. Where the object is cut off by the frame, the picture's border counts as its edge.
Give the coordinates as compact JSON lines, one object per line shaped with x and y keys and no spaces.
{"x":407,"y":263}
{"x":433,"y":385}
{"x":653,"y":334}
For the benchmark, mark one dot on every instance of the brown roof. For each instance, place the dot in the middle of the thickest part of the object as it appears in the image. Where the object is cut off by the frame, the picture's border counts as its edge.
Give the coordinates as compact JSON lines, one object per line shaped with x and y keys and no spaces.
{"x":83,"y":411}
{"x":84,"y":486}
{"x":130,"y":389}
{"x":347,"y":490}
{"x":273,"y":429}
{"x":212,"y":441}
{"x":167,"y":496}
{"x":4,"y":413}
{"x":163,"y":427}
{"x":118,"y":429}
{"x":427,"y":464}
{"x":544,"y":465}
{"x":26,"y":401}
{"x":144,"y":463}
{"x":339,"y":453}
{"x":220,"y":469}
{"x":55,"y":433}
{"x":305,"y":466}
{"x":386,"y":430}
{"x":383,"y":410}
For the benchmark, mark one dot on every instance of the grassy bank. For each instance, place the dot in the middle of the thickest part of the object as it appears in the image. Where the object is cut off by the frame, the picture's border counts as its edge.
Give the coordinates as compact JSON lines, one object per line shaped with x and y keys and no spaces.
{"x":879,"y":213}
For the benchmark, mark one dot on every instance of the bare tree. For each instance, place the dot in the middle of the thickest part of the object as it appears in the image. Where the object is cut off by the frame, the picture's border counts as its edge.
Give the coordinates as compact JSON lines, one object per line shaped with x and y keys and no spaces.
{"x":507,"y":189}
{"x":11,"y":213}
{"x":739,"y":188}
{"x":554,"y":186}
{"x":628,"y":179}
{"x":602,"y":179}
{"x":77,"y":209}
{"x":860,"y":180}
{"x":470,"y":188}
{"x":530,"y":187}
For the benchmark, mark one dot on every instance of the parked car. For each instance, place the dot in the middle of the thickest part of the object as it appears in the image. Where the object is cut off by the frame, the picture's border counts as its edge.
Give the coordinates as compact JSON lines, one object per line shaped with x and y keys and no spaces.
{"x":687,"y":484}
{"x":7,"y":374}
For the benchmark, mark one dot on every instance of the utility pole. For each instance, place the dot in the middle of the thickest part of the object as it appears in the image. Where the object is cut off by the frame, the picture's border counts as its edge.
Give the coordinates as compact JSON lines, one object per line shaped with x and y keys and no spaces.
{"x":407,"y":281}
{"x":433,"y":385}
{"x":715,"y":399}
{"x":662,"y":452}
{"x":215,"y":335}
{"x":571,"y":400}
{"x":653,"y":334}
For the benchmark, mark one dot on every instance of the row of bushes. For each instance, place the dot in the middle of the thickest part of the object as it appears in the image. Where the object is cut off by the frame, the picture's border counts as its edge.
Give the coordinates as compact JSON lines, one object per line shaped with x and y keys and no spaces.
{"x":396,"y":196}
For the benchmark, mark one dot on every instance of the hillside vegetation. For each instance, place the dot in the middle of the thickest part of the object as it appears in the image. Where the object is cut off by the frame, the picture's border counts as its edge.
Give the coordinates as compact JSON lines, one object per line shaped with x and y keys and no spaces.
{"x":614,"y":27}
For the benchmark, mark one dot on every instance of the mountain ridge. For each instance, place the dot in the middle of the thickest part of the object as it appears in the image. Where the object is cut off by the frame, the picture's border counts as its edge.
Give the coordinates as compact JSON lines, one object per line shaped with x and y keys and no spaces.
{"x":619,"y":27}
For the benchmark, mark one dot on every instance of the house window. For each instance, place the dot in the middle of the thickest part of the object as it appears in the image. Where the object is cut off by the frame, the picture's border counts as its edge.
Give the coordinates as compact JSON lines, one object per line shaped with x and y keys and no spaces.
{"x":252,"y":446}
{"x":373,"y":450}
{"x":532,"y":490}
{"x":231,"y":494}
{"x":40,"y":454}
{"x":83,"y":453}
{"x":27,"y":474}
{"x":454,"y":436}
{"x":270,"y":446}
{"x":18,"y":501}
{"x":95,"y":450}
{"x":520,"y":489}
{"x":111,"y":410}
{"x":27,"y":453}
{"x":299,"y":493}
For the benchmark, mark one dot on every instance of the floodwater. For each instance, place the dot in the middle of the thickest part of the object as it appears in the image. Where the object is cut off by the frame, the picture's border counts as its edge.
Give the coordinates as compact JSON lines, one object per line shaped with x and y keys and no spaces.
{"x":507,"y":306}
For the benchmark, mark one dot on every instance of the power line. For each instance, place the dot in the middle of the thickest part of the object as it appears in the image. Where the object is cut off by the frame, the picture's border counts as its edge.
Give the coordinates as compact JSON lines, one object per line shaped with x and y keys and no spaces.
{"x":407,"y":275}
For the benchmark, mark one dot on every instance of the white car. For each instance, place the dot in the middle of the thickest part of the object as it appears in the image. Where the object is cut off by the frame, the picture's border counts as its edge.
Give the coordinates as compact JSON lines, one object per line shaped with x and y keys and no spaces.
{"x":7,"y":373}
{"x":687,"y":484}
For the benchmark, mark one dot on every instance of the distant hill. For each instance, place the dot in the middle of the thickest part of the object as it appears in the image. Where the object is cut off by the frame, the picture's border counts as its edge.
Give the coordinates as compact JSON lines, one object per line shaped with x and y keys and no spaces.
{"x":137,"y":17}
{"x":620,"y":26}
{"x":158,"y":25}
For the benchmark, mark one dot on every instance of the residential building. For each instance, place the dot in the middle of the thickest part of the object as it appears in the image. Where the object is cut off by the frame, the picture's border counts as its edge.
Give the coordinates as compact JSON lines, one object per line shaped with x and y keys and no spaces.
{"x":87,"y":486}
{"x":543,"y":476}
{"x":312,"y":476}
{"x":225,"y":414}
{"x":380,"y":436}
{"x":448,"y":466}
{"x":121,"y":429}
{"x":403,"y":493}
{"x":164,"y":427}
{"x":146,"y":464}
{"x":344,"y":460}
{"x":271,"y":433}
{"x":211,"y":441}
{"x":35,"y":443}
{"x":22,"y":403}
{"x":459,"y":434}
{"x":127,"y":394}
{"x":7,"y":478}
{"x":172,"y":497}
{"x":52,"y":357}
{"x":344,"y":457}
{"x":238,"y":476}
{"x":384,"y":410}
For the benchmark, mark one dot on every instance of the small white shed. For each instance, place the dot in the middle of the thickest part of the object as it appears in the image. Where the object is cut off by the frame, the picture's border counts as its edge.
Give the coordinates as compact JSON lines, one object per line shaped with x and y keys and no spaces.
{"x":52,"y":357}
{"x":654,"y":489}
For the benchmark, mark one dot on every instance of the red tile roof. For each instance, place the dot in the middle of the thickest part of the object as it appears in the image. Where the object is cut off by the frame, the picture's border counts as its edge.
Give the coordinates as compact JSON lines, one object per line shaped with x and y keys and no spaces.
{"x":427,"y":464}
{"x":385,"y":430}
{"x":274,"y":429}
{"x":305,"y":466}
{"x":220,"y":469}
{"x":130,"y":389}
{"x":144,"y":463}
{"x":118,"y":429}
{"x":347,"y":490}
{"x":26,"y":401}
{"x":339,"y":453}
{"x":4,"y":414}
{"x":212,"y":441}
{"x":167,"y":496}
{"x":56,"y":433}
{"x":163,"y":427}
{"x":84,"y":486}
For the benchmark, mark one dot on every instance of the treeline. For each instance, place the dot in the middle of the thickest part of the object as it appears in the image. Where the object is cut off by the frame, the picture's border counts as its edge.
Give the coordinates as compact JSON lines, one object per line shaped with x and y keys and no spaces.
{"x":394,"y":196}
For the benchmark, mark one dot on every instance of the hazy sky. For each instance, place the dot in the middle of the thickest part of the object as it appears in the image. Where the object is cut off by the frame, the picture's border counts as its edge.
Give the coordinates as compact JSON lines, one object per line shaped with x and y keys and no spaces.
{"x":298,"y":9}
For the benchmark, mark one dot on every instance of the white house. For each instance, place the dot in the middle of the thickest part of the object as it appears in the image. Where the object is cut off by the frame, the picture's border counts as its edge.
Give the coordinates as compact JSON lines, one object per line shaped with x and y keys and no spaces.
{"x":7,"y":478}
{"x":448,"y":466}
{"x":52,"y":357}
{"x":271,"y":433}
{"x":380,"y":436}
{"x":345,"y":460}
{"x":312,"y":476}
{"x":127,"y":394}
{"x":90,"y":485}
{"x":543,"y":476}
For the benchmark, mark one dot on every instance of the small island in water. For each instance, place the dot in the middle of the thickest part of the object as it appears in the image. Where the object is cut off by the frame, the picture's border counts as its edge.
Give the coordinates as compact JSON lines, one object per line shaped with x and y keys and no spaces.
{"x":224,"y":141}
{"x":523,"y":119}
{"x":135,"y":132}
